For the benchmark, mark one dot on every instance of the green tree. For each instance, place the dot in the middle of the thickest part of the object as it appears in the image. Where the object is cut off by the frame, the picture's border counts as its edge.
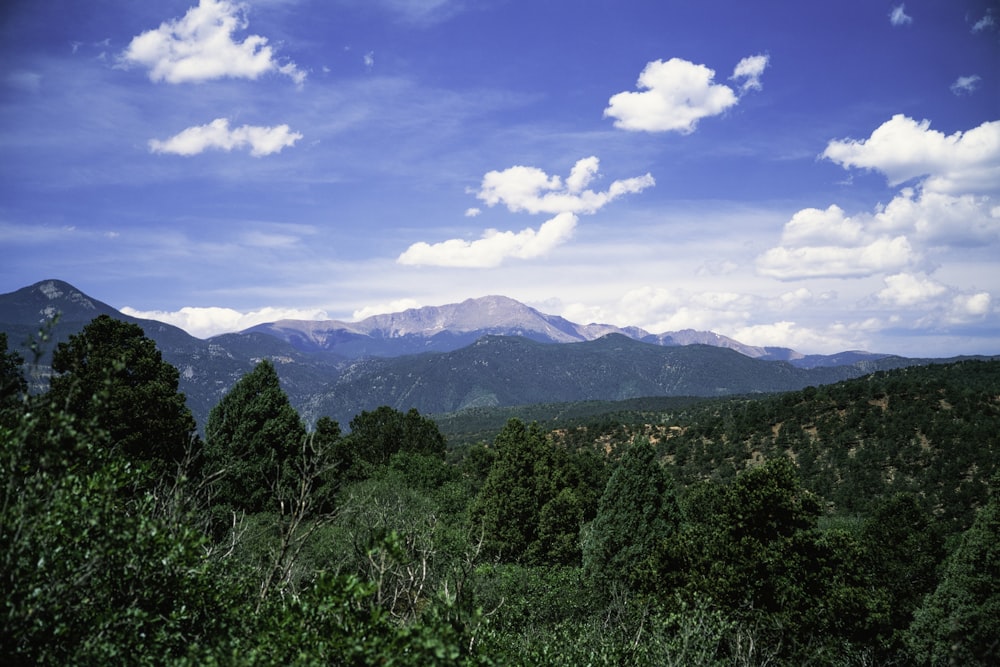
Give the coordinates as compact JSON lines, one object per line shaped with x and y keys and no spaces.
{"x":379,"y":434}
{"x":91,"y":571}
{"x":253,"y":439}
{"x":13,"y":386}
{"x":959,"y":623}
{"x":509,"y":503}
{"x":637,"y":513}
{"x":145,"y":416}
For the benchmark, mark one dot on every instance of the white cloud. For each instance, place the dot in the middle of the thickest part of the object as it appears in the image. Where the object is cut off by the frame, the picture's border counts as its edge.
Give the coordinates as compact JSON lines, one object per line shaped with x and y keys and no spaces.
{"x":966,"y":307}
{"x":965,"y":85}
{"x":494,"y":246}
{"x":811,"y":226}
{"x":938,"y":219}
{"x":881,"y":255}
{"x":472,"y":212}
{"x":369,"y":59}
{"x":200,"y":47}
{"x":211,"y":321}
{"x":217,"y":134}
{"x":397,"y":306}
{"x":907,"y":289}
{"x":984,"y":23}
{"x":904,"y":149}
{"x":898,"y":16}
{"x":674,"y":96}
{"x":531,"y":190}
{"x":751,"y":68}
{"x":834,"y":338}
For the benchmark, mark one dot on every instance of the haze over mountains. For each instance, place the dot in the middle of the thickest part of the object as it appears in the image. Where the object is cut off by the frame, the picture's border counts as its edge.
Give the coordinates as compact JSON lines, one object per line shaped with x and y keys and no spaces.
{"x":491,"y":351}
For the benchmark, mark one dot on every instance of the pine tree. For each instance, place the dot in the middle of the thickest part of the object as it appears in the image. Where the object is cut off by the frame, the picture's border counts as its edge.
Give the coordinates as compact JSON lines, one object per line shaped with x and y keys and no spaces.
{"x":252,"y":439}
{"x":636,"y":514}
{"x":146,"y":417}
{"x":959,"y":623}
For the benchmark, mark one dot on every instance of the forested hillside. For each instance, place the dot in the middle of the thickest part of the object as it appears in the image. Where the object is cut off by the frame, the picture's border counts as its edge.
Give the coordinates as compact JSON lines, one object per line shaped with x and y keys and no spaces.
{"x":855,"y":523}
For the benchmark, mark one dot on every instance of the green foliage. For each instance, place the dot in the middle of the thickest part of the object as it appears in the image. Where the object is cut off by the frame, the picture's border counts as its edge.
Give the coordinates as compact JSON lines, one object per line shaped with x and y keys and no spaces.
{"x":535,"y":498}
{"x":637,"y":513}
{"x":959,"y":623}
{"x":377,"y":435}
{"x":144,"y":415}
{"x":13,"y":386}
{"x":91,"y":573}
{"x":252,"y":440}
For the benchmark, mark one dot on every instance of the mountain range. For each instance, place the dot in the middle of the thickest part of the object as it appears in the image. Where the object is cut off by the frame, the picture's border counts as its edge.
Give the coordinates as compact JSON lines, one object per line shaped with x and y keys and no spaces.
{"x":491,"y":351}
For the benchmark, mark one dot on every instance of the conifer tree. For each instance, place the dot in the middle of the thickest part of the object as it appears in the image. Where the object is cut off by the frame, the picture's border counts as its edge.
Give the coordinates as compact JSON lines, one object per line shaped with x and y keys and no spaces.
{"x":145,"y":415}
{"x":959,"y":623}
{"x":637,"y":512}
{"x":251,"y":441}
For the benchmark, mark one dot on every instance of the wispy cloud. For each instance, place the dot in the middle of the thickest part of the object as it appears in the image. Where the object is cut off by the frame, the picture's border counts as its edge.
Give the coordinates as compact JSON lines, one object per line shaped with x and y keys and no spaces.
{"x":965,"y":84}
{"x":985,"y":23}
{"x":217,"y":135}
{"x":676,"y":94}
{"x":201,"y":46}
{"x":898,"y":16}
{"x":750,"y":69}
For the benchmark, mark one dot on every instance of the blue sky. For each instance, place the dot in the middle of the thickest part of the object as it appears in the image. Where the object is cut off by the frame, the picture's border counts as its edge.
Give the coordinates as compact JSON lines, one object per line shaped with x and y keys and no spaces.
{"x":822,"y":176}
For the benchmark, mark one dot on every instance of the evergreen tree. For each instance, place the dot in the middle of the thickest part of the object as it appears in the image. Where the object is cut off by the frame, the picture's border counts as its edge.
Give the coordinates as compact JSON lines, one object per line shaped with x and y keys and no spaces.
{"x":13,"y":386}
{"x":379,"y":434}
{"x":959,"y":623}
{"x":637,"y":513}
{"x":145,"y":416}
{"x":509,"y":503}
{"x":252,"y":440}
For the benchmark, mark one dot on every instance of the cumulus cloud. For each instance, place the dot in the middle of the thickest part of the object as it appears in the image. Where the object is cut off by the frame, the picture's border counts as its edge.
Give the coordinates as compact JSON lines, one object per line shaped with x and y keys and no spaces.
{"x":879,"y":256}
{"x":750,"y":70}
{"x":211,"y":321}
{"x":674,"y":95}
{"x":907,"y":289}
{"x":784,"y":333}
{"x":531,"y":190}
{"x":472,"y":212}
{"x":965,"y":85}
{"x":200,"y":46}
{"x":898,"y":16}
{"x":217,"y":134}
{"x":967,"y":307}
{"x":494,"y":246}
{"x":904,"y":149}
{"x":952,"y":204}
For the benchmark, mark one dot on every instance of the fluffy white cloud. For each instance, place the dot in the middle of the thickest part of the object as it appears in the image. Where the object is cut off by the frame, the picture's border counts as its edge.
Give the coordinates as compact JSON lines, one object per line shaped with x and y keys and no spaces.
{"x":811,"y":226}
{"x":751,"y":69}
{"x":898,"y":16}
{"x":211,"y":321}
{"x":674,"y":96}
{"x":217,"y":134}
{"x":906,"y":289}
{"x":834,"y":338}
{"x":494,"y":246}
{"x":966,"y":307}
{"x":904,"y":149}
{"x":938,"y":219}
{"x":531,"y":190}
{"x":881,"y":255}
{"x":200,"y":46}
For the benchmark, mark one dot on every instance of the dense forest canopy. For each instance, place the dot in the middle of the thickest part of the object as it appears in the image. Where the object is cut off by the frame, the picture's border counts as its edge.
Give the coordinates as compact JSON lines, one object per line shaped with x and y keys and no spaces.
{"x":854,"y":523}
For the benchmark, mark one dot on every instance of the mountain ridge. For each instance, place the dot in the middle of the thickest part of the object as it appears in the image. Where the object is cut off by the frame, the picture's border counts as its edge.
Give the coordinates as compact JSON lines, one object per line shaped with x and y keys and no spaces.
{"x":471,"y":368}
